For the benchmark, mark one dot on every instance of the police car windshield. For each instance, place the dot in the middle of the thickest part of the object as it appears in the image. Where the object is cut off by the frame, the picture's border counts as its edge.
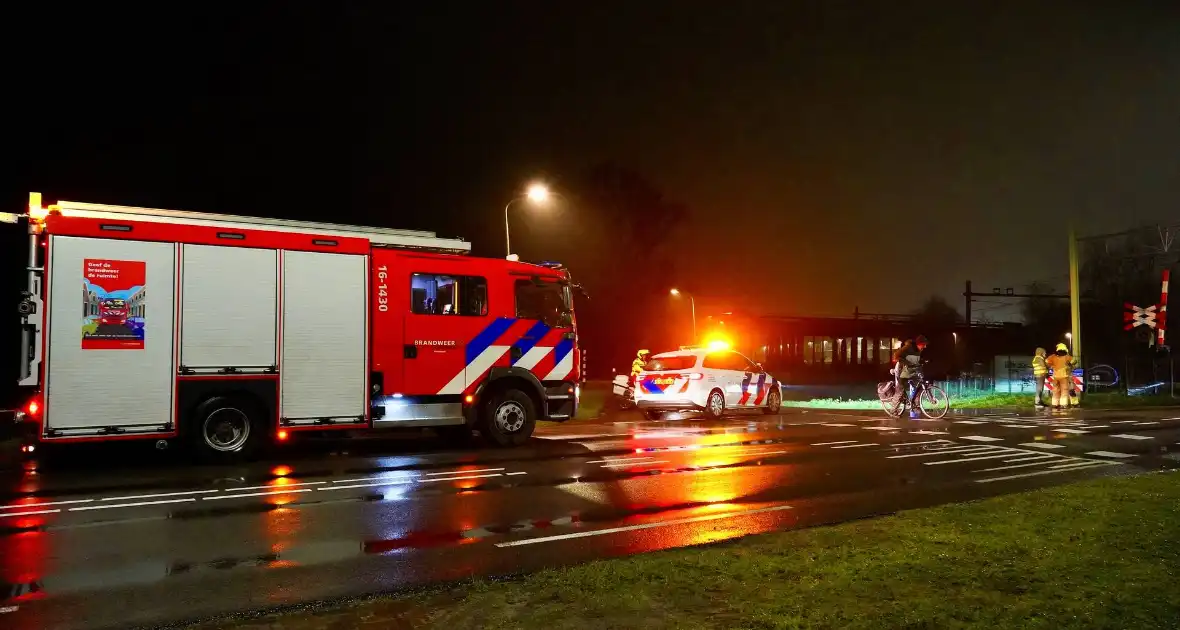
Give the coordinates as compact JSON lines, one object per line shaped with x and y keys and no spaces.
{"x":678,"y":362}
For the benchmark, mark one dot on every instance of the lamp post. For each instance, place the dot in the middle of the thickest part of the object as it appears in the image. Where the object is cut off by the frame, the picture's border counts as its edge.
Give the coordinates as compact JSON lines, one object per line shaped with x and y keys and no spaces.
{"x":537,"y":194}
{"x":693,"y":303}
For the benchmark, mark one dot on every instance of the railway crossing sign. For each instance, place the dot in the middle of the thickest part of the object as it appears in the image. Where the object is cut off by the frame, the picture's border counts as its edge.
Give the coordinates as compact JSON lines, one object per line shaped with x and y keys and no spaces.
{"x":1135,"y":316}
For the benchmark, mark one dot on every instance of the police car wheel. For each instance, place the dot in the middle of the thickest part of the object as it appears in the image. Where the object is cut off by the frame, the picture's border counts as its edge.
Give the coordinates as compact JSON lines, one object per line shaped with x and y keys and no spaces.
{"x":773,"y":402}
{"x":715,"y":405}
{"x":509,"y":418}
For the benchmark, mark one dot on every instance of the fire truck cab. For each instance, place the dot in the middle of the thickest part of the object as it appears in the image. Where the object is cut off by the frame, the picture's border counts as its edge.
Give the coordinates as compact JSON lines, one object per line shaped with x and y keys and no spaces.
{"x":234,"y":332}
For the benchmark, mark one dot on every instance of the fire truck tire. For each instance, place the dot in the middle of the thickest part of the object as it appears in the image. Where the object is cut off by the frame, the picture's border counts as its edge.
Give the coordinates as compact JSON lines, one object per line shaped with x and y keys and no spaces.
{"x":715,"y":405}
{"x":226,"y":429}
{"x":509,"y":418}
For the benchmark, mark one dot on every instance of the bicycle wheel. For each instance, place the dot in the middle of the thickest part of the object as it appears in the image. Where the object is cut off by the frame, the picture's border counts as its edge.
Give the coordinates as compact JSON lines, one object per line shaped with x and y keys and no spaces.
{"x":893,"y":406}
{"x":934,"y":402}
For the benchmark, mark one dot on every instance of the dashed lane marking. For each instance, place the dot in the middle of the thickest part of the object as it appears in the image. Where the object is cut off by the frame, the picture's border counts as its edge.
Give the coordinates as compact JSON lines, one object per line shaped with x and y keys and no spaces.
{"x":856,"y":445}
{"x":941,"y":451}
{"x":29,"y":513}
{"x":45,"y":504}
{"x":1042,"y":445}
{"x":831,"y":443}
{"x":261,"y":494}
{"x":109,"y":506}
{"x":1111,"y":454}
{"x":1124,"y":421}
{"x":1020,"y":426}
{"x":1145,"y":424}
{"x":837,"y":424}
{"x":1074,"y":431}
{"x":882,"y":428}
{"x":970,"y":422}
{"x":629,"y":528}
{"x":1056,"y":469}
{"x":982,"y":438}
{"x":1132,"y":436}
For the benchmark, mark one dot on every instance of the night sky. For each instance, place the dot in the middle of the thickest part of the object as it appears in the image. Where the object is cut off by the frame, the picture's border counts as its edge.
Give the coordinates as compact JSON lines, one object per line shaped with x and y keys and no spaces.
{"x":824,"y":148}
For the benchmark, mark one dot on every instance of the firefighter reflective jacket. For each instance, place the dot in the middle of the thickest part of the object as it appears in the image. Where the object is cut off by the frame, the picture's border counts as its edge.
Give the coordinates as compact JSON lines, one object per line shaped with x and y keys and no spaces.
{"x":1039,"y":367}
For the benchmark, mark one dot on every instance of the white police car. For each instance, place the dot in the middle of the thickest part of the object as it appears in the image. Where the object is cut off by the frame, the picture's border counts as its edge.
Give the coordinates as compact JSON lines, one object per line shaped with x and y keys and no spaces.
{"x":713,"y":382}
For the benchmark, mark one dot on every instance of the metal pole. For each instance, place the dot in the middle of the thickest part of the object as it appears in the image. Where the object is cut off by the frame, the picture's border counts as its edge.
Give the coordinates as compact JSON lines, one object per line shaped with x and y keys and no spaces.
{"x":1075,"y":291}
{"x":507,"y":238}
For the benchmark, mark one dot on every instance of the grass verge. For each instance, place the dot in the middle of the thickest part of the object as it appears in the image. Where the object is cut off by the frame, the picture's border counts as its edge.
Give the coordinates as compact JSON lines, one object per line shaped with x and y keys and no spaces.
{"x":1099,"y":554}
{"x":992,"y":400}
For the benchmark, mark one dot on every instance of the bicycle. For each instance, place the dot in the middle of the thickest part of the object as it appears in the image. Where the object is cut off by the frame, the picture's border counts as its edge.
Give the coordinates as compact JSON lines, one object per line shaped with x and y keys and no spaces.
{"x":932,"y":400}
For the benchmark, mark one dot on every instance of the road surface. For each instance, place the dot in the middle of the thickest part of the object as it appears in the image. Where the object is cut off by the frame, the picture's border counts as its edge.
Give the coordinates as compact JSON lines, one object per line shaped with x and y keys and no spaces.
{"x":93,"y":541}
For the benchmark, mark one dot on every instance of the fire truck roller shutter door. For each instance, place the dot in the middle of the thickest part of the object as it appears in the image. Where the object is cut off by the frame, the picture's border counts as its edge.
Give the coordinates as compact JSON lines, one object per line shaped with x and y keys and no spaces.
{"x":324,"y":359}
{"x":118,"y":374}
{"x":229,"y":299}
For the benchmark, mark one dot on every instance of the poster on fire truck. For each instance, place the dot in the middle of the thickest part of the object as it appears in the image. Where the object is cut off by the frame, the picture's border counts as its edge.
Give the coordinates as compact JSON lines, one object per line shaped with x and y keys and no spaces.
{"x":113,"y":304}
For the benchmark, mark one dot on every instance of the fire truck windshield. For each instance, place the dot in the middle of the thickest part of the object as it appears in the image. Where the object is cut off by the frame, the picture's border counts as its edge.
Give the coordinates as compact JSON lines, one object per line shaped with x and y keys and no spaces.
{"x":114,"y":303}
{"x":546,"y":301}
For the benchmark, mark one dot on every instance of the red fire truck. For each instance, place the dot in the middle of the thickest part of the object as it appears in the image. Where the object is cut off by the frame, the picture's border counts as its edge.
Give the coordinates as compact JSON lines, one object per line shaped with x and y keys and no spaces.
{"x":243,"y":331}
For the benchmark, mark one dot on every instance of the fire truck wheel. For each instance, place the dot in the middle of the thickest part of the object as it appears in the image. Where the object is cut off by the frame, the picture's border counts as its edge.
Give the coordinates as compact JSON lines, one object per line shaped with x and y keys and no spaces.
{"x":715,"y":405}
{"x":226,"y":429}
{"x":509,"y":418}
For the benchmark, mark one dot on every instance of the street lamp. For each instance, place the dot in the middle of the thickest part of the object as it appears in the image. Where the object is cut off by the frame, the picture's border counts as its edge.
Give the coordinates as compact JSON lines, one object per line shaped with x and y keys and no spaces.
{"x":1069,"y":340}
{"x":693,"y":303}
{"x":538,"y":194}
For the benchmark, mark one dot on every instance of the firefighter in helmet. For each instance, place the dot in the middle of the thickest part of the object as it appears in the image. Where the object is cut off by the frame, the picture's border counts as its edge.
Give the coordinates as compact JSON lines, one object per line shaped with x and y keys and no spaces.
{"x":1040,"y":371}
{"x":1061,"y":363}
{"x":641,"y":359}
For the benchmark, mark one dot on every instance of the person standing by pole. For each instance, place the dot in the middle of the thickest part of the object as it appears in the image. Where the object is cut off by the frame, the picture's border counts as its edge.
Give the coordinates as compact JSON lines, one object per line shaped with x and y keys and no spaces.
{"x":1040,"y":373}
{"x":1062,"y":366}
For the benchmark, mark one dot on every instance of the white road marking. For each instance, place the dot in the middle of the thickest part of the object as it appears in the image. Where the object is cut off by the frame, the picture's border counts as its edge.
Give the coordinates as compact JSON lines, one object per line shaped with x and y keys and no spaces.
{"x":109,"y":506}
{"x":405,"y":481}
{"x":882,"y":428}
{"x":1145,"y":424}
{"x":1040,"y":463}
{"x":408,"y":477}
{"x":29,"y":513}
{"x":277,"y":486}
{"x":584,"y":436}
{"x":925,"y":432}
{"x":634,"y":463}
{"x":162,"y":494}
{"x":1042,"y":445}
{"x":960,"y":449}
{"x":629,"y":528}
{"x":519,"y":472}
{"x":36,"y":505}
{"x":464,"y":472}
{"x":1076,"y":431}
{"x":255,"y":494}
{"x":1130,"y":436}
{"x":856,"y":445}
{"x":1111,"y":454}
{"x":1124,"y":421}
{"x":1026,"y":458}
{"x":615,"y":461}
{"x":1088,"y":464}
{"x":831,"y":443}
{"x":921,"y":443}
{"x":1097,"y":426}
{"x":969,"y":422}
{"x":1020,"y":426}
{"x":968,"y":459}
{"x":982,"y":438}
{"x":837,"y":424}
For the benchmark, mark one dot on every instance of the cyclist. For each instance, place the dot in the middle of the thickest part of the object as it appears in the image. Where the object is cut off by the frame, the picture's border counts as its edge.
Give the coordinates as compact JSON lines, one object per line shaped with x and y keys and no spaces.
{"x":907,"y":359}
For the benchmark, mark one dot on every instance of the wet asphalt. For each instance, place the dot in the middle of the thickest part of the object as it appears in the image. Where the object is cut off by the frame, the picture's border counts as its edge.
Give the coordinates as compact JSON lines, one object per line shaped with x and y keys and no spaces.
{"x":102,"y":537}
